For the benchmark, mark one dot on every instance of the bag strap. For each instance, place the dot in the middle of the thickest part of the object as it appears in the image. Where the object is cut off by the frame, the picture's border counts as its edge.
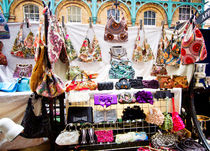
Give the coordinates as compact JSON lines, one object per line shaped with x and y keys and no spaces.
{"x":173,"y":104}
{"x":82,"y":73}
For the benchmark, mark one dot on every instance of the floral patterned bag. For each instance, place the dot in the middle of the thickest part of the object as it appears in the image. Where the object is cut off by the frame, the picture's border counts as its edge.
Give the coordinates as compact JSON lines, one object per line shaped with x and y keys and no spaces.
{"x":142,"y":53}
{"x":3,"y":58}
{"x":23,"y":47}
{"x":90,"y":52}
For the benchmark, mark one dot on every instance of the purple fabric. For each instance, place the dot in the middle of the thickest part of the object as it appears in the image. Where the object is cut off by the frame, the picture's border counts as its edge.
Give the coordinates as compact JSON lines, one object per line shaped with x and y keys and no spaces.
{"x":154,"y":84}
{"x":144,"y":97}
{"x":105,"y":99}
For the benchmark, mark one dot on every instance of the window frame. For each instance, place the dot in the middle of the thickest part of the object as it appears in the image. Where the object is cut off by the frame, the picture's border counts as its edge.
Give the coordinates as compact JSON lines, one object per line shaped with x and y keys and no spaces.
{"x":186,"y":7}
{"x":151,"y":18}
{"x":76,"y":15}
{"x":28,"y":13}
{"x":113,"y":14}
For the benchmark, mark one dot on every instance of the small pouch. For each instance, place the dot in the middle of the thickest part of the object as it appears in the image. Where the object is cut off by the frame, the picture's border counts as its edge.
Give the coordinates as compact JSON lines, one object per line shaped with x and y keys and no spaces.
{"x":153,"y":84}
{"x":126,"y":98}
{"x":125,"y":138}
{"x":144,"y":97}
{"x":180,"y":81}
{"x":123,"y":84}
{"x":105,"y":99}
{"x":133,"y":113}
{"x":136,"y":83}
{"x":155,"y":116}
{"x":105,"y":115}
{"x":118,"y":52}
{"x":158,"y":70}
{"x":22,"y":70}
{"x":105,"y":86}
{"x":83,"y":96}
{"x":165,"y":82}
{"x":104,"y":136}
{"x":68,"y":137}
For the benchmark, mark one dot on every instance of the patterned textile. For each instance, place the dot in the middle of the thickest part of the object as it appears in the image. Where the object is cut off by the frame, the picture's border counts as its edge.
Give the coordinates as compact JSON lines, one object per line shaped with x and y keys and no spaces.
{"x":3,"y":58}
{"x":4,"y":29}
{"x":193,"y":47}
{"x":23,"y":48}
{"x":142,"y":53}
{"x":116,"y":31}
{"x":88,"y":53}
{"x":71,"y":52}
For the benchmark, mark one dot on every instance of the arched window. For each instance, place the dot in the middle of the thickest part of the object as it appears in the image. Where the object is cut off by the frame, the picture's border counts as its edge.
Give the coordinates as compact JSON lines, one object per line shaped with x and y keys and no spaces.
{"x":74,"y":14}
{"x":185,"y":11}
{"x":31,"y":12}
{"x":113,"y":13}
{"x":149,"y":18}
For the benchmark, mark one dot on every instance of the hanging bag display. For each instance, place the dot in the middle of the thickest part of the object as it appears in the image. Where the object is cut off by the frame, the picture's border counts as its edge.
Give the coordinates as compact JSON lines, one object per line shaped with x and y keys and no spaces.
{"x":116,"y":31}
{"x":4,"y":28}
{"x":193,"y":47}
{"x":90,"y":51}
{"x":177,"y":121}
{"x":142,"y":52}
{"x":35,"y":126}
{"x":23,"y":47}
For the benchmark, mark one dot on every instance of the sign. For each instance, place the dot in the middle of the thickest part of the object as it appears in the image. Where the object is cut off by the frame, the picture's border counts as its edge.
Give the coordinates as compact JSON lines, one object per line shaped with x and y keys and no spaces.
{"x":203,"y":17}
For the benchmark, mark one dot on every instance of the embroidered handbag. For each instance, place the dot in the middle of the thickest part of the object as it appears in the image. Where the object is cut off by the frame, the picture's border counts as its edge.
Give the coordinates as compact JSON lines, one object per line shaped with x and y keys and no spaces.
{"x":142,"y":53}
{"x":55,"y":39}
{"x":105,"y":115}
{"x":4,"y":29}
{"x":121,"y":69}
{"x":123,"y":83}
{"x":105,"y":86}
{"x":3,"y":58}
{"x":158,"y":70}
{"x":177,"y":121}
{"x":163,"y":140}
{"x":155,"y":116}
{"x":38,"y":71}
{"x":23,"y":47}
{"x":105,"y":99}
{"x":22,"y":70}
{"x":118,"y":52}
{"x":116,"y":31}
{"x":104,"y":136}
{"x":126,"y":98}
{"x":90,"y":51}
{"x":193,"y":47}
{"x":71,"y":52}
{"x":165,"y":82}
{"x":180,"y":81}
{"x":35,"y":126}
{"x":153,"y":84}
{"x":68,"y":137}
{"x":144,"y":97}
{"x":23,"y":85}
{"x":136,"y":83}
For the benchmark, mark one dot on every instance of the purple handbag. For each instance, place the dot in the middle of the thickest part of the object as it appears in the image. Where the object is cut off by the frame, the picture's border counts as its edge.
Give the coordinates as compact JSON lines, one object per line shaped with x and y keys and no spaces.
{"x":105,"y":99}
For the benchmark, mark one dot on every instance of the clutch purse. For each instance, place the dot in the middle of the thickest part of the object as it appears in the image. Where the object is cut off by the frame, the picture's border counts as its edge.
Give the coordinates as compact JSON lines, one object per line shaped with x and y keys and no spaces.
{"x":108,"y":116}
{"x":180,"y":81}
{"x":117,"y":52}
{"x":165,"y":82}
{"x":105,"y":99}
{"x":22,"y":70}
{"x":68,"y":137}
{"x":80,"y":115}
{"x":158,"y":70}
{"x":105,"y":86}
{"x":123,"y":84}
{"x":126,"y":98}
{"x":136,"y":83}
{"x":104,"y":136}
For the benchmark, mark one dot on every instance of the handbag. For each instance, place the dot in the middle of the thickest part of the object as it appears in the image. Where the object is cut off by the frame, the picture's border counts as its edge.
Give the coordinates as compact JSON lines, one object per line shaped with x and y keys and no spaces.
{"x":73,"y":96}
{"x":155,"y":116}
{"x":81,"y":85}
{"x":116,"y":31}
{"x":23,"y":85}
{"x":105,"y":86}
{"x":121,"y":69}
{"x":4,"y":28}
{"x":126,"y":98}
{"x":133,"y":113}
{"x":136,"y":83}
{"x":80,"y":115}
{"x":142,"y":52}
{"x":8,"y":86}
{"x":71,"y":52}
{"x":163,"y":140}
{"x":123,"y":83}
{"x":3,"y":58}
{"x":23,"y":48}
{"x":153,"y":84}
{"x":105,"y":99}
{"x":104,"y":136}
{"x":125,"y":138}
{"x":180,"y":81}
{"x":158,"y":70}
{"x":72,"y":72}
{"x":189,"y":145}
{"x":38,"y":71}
{"x":105,"y":115}
{"x":144,"y":97}
{"x":22,"y":70}
{"x":193,"y":47}
{"x":165,"y":82}
{"x":35,"y":126}
{"x":118,"y":52}
{"x":68,"y":137}
{"x":177,"y":121}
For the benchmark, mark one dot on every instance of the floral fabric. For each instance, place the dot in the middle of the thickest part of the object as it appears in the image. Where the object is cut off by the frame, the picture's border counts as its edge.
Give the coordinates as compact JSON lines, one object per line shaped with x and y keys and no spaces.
{"x":23,"y":48}
{"x":88,"y":53}
{"x":3,"y":58}
{"x":104,"y":136}
{"x":71,"y":52}
{"x":142,"y":53}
